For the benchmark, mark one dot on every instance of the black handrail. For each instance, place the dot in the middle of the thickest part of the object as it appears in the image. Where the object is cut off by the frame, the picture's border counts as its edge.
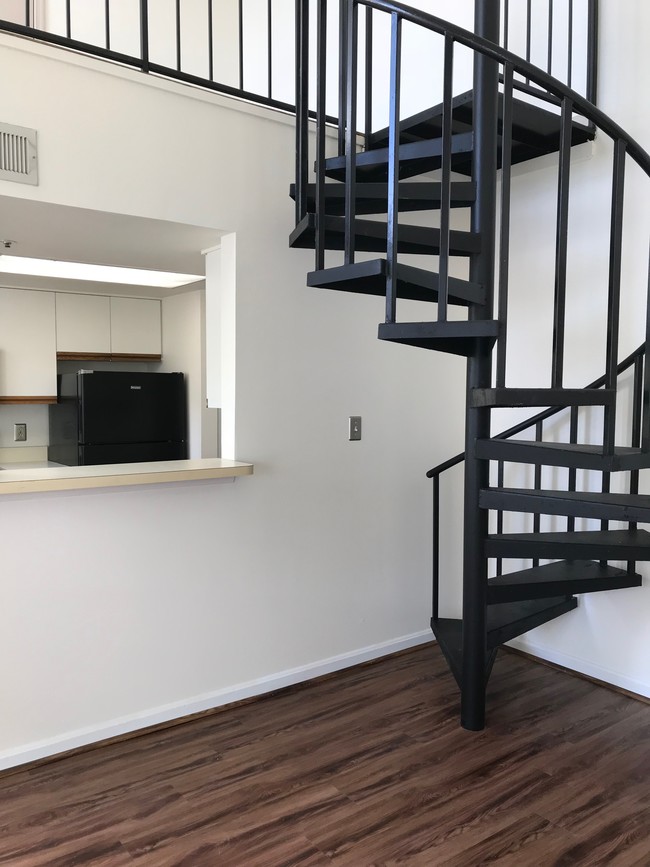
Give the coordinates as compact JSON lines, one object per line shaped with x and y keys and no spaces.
{"x":581,"y":105}
{"x":624,"y":365}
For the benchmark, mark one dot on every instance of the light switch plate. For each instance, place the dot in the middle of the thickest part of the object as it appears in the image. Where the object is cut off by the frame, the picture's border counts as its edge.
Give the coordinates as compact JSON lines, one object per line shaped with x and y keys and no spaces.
{"x":20,"y":433}
{"x":354,"y":432}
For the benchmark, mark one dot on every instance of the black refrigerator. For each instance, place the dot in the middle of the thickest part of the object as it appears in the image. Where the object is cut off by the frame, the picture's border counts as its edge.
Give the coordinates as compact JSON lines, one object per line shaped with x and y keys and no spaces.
{"x":104,"y":417}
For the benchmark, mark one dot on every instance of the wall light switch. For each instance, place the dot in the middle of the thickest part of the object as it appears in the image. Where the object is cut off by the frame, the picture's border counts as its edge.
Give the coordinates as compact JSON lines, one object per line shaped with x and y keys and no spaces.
{"x":20,"y":433}
{"x":355,"y":428}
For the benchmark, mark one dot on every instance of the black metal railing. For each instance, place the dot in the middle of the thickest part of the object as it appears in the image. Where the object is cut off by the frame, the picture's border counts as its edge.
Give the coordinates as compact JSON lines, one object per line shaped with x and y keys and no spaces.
{"x":222,"y":45}
{"x":637,"y":361}
{"x":259,"y":41}
{"x":548,"y":37}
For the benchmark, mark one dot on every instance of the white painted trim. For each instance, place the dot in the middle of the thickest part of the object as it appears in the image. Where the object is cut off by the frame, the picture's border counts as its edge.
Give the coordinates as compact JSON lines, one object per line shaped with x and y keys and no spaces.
{"x":176,"y":710}
{"x":582,"y":666}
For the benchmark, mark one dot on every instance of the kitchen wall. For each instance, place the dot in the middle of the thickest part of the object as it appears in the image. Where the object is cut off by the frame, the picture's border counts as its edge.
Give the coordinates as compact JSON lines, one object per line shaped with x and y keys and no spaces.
{"x":183,"y":334}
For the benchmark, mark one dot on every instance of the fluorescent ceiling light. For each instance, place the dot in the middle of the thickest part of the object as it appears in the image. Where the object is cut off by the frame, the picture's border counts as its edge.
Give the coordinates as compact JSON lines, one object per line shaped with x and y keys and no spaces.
{"x":96,"y":273}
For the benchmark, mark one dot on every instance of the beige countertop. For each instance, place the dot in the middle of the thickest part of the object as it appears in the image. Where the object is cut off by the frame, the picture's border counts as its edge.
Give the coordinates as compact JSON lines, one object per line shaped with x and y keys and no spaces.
{"x":27,"y":477}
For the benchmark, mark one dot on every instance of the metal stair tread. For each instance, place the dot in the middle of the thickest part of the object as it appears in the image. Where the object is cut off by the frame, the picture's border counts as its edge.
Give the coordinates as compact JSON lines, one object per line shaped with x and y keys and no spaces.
{"x":370,"y":236}
{"x":455,"y":337}
{"x":510,"y":619}
{"x":504,"y":622}
{"x":575,"y":455}
{"x":582,"y":544}
{"x":565,"y":576}
{"x":536,"y":130}
{"x":417,"y":284}
{"x":521,"y":397}
{"x":578,"y":504}
{"x":372,"y":197}
{"x":415,"y":158}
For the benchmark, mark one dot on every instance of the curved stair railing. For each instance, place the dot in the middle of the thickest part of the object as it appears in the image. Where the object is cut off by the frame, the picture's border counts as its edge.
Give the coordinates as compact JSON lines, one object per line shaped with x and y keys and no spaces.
{"x":482,"y":134}
{"x":630,"y":509}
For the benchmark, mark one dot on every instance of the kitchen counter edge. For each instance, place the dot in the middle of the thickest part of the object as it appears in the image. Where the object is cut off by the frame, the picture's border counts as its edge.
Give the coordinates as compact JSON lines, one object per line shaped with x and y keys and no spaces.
{"x":25,"y":481}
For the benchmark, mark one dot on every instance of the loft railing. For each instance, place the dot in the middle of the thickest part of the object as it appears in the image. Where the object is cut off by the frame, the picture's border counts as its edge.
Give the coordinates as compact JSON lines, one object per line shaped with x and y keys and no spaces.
{"x":233,"y":47}
{"x":637,"y":361}
{"x":238,"y":47}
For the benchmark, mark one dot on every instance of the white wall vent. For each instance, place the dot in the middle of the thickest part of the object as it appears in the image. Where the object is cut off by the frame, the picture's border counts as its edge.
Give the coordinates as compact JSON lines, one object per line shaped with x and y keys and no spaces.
{"x":18,"y":161}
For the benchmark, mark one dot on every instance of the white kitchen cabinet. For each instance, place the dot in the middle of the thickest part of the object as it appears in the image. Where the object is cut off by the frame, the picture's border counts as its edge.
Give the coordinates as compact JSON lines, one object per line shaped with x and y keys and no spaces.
{"x":88,"y":326}
{"x":136,"y":326}
{"x":27,"y":346}
{"x":83,"y":323}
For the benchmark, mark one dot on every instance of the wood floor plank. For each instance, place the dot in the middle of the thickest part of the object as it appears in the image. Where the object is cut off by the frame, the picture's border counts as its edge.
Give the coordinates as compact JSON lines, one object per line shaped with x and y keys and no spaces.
{"x":368,"y":767}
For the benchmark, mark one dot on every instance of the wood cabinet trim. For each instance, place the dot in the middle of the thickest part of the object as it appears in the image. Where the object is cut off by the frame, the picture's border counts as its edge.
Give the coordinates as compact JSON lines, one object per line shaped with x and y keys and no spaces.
{"x":104,"y":356}
{"x":29,"y":398}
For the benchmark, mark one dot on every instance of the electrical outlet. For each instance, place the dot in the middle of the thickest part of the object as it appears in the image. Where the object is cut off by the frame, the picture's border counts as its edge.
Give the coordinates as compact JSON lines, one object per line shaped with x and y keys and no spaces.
{"x":20,"y":433}
{"x":354,"y":431}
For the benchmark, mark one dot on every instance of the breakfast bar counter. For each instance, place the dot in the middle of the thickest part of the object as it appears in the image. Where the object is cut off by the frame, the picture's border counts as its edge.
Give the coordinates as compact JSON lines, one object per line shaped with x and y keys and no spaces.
{"x":28,"y":477}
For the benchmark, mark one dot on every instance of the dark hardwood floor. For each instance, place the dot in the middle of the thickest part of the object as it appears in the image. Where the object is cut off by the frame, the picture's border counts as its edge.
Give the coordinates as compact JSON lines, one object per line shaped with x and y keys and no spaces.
{"x":369,"y":767}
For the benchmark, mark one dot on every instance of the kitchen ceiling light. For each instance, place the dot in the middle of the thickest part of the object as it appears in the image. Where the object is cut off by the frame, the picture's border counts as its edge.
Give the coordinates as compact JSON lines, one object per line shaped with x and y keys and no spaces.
{"x":97,"y":273}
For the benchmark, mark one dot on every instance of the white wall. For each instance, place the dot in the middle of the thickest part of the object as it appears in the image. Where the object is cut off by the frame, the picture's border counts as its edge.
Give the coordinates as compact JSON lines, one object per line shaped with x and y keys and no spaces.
{"x":607,"y":637}
{"x":126,"y":606}
{"x":183,"y":331}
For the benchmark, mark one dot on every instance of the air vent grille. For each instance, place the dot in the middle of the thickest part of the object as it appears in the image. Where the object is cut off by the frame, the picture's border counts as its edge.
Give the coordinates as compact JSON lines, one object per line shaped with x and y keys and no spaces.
{"x":18,"y":159}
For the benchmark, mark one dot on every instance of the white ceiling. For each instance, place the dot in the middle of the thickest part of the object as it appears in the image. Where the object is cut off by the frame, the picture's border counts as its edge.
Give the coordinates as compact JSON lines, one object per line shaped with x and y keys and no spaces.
{"x":48,"y":231}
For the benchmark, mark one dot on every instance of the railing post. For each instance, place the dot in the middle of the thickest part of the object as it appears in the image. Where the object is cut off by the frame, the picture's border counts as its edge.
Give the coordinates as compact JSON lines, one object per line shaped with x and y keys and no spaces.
{"x":343,"y":65}
{"x":393,"y":167}
{"x":144,"y":35}
{"x":479,"y":373}
{"x":614,"y":291}
{"x":302,"y":106}
{"x":352,"y":19}
{"x":645,"y":403}
{"x":321,"y":94}
{"x":592,"y":52}
{"x":435,"y":597}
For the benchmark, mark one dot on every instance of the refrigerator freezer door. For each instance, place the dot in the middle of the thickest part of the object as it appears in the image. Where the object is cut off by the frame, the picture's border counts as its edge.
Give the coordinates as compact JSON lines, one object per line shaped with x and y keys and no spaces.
{"x":131,"y":408}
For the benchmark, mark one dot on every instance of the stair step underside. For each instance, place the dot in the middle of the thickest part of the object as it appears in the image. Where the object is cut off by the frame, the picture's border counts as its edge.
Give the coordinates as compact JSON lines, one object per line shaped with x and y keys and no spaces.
{"x":415,"y":158}
{"x":582,"y":545}
{"x":555,"y":579}
{"x":514,"y":397}
{"x":535,"y":130}
{"x":414,"y":283}
{"x":458,"y":338}
{"x":372,"y":198}
{"x":370,"y":236}
{"x":587,"y":457}
{"x":504,"y":622}
{"x":577,"y":504}
{"x":449,"y":635}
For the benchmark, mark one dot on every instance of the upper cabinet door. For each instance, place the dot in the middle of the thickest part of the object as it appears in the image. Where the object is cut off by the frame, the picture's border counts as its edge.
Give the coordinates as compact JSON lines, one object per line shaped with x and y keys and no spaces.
{"x":83,"y":323}
{"x":136,"y":326}
{"x":27,"y":346}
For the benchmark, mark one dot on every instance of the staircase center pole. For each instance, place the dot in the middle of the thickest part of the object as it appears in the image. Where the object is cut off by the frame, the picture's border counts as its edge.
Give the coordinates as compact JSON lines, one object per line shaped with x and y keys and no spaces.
{"x":479,"y":373}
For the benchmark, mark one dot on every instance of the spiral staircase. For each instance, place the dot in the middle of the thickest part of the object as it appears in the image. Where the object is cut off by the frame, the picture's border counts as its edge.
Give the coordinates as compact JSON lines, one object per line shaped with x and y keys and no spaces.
{"x":453,"y":156}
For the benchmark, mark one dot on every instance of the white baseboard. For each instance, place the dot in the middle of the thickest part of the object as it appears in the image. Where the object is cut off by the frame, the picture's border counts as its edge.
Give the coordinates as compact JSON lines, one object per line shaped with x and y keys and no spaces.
{"x":125,"y":725}
{"x":583,"y":666}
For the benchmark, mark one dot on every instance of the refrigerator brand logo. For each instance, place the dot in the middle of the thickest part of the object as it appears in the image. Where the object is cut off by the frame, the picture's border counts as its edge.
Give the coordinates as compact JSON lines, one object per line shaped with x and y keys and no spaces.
{"x":136,"y":388}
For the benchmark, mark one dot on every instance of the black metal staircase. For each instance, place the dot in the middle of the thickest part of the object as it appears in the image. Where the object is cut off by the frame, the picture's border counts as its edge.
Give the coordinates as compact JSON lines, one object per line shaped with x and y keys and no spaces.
{"x":482,"y":133}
